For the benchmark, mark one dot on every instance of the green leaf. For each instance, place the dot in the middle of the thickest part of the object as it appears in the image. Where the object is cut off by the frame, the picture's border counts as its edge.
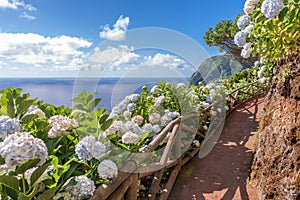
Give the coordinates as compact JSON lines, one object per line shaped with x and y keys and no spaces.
{"x":69,"y":171}
{"x":11,"y":105}
{"x":94,"y":103}
{"x":100,"y":111}
{"x":143,"y":137}
{"x":106,"y":124}
{"x":24,"y":105}
{"x":28,"y":164}
{"x":48,"y":194}
{"x":38,"y":173}
{"x":10,"y":181}
{"x":79,"y":107}
{"x":2,"y":161}
{"x":22,"y":196}
{"x":282,"y":14}
{"x":8,"y":192}
{"x":28,"y":118}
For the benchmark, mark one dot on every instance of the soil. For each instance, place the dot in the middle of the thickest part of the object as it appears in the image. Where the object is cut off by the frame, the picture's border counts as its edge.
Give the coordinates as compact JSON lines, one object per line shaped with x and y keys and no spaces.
{"x":224,"y":173}
{"x":276,"y":165}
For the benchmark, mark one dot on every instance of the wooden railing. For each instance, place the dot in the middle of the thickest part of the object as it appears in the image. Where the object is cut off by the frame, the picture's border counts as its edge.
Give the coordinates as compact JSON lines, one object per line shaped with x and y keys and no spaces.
{"x":125,"y":186}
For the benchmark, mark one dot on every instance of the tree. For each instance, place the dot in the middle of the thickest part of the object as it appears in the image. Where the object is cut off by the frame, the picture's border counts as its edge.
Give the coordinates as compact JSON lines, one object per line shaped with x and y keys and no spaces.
{"x":223,"y":37}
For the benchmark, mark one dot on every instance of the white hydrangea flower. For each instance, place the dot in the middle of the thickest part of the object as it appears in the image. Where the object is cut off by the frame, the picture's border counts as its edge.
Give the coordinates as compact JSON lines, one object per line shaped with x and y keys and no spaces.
{"x":9,"y":126}
{"x":173,"y":115}
{"x":249,"y":28}
{"x":117,"y":127}
{"x":138,"y":119}
{"x":196,"y":143}
{"x":154,"y":118}
{"x":165,"y":120}
{"x":127,"y":114}
{"x":134,"y":97}
{"x":83,"y":189}
{"x":19,"y":147}
{"x":35,"y":110}
{"x":240,"y":38}
{"x":205,"y":127}
{"x":256,"y":63}
{"x":156,"y":128}
{"x":121,"y":106}
{"x":131,"y":107}
{"x":88,"y":148}
{"x":249,"y":6}
{"x":130,"y":138}
{"x":262,"y":59}
{"x":107,"y":169}
{"x":271,"y":8}
{"x":154,"y":89}
{"x":260,"y":71}
{"x":147,"y":128}
{"x":133,"y":127}
{"x":112,"y":115}
{"x":159,"y":100}
{"x":263,"y":80}
{"x":60,"y":125}
{"x":243,"y":21}
{"x":246,"y":51}
{"x":181,"y":85}
{"x":208,"y":99}
{"x":205,"y":104}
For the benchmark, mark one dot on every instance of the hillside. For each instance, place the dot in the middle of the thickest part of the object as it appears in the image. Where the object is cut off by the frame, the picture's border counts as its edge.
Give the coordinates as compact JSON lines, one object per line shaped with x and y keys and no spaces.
{"x":276,"y":163}
{"x":215,"y":67}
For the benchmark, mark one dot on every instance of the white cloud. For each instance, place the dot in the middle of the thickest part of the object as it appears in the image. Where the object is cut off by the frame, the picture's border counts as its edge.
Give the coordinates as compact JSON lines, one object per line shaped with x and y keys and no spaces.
{"x":36,"y":49}
{"x":15,"y":4}
{"x":118,"y":32}
{"x":112,"y":57}
{"x":165,"y":60}
{"x":14,"y":68}
{"x":27,"y":16}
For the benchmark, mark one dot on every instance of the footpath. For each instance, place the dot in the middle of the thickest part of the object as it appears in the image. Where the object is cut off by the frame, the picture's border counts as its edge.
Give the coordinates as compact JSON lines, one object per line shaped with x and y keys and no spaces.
{"x":224,"y":173}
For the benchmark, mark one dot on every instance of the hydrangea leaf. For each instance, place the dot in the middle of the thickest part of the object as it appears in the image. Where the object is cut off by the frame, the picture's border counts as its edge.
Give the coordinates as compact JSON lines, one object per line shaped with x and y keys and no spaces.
{"x":38,"y":173}
{"x":24,"y":105}
{"x":10,"y":182}
{"x":27,"y":165}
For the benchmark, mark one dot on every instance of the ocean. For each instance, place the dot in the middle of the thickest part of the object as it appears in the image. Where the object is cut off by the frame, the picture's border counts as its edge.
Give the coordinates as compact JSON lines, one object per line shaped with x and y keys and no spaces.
{"x":60,"y":91}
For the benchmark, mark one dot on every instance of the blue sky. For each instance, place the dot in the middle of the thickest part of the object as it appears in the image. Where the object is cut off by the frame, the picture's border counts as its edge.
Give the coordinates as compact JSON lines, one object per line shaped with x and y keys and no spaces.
{"x":58,"y":38}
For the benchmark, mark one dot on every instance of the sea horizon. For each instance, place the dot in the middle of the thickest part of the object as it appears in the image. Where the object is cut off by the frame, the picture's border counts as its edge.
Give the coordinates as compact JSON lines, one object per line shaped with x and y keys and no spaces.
{"x":60,"y":90}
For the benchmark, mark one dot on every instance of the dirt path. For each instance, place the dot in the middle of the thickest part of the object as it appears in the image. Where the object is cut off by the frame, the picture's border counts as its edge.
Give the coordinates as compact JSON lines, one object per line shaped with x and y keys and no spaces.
{"x":224,"y":173}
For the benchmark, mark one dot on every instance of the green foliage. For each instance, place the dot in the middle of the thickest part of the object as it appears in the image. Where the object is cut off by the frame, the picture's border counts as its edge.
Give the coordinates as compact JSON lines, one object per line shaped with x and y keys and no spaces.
{"x":222,"y":35}
{"x":240,"y":79}
{"x":278,"y":37}
{"x":91,"y":121}
{"x":13,"y":104}
{"x":61,"y":150}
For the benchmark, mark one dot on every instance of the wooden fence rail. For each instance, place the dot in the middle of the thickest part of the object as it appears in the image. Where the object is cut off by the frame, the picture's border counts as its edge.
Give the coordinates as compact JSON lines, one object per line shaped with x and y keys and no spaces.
{"x":125,"y":186}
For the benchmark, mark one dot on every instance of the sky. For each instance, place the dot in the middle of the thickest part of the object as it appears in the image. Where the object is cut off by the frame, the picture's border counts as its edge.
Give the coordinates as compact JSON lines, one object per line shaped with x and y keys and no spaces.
{"x":69,"y":38}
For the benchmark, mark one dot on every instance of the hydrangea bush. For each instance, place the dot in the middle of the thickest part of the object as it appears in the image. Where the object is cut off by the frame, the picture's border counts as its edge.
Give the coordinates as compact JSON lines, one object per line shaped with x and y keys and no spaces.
{"x":43,"y":153}
{"x":54,"y":152}
{"x":273,"y":32}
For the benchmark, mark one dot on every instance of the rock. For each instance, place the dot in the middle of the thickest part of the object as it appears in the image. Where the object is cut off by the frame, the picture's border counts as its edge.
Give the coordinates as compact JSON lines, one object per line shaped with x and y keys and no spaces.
{"x":276,"y":165}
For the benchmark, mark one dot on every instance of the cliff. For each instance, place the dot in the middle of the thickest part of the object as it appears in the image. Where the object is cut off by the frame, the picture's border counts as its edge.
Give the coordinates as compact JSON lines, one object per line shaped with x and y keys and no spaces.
{"x":276,"y":165}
